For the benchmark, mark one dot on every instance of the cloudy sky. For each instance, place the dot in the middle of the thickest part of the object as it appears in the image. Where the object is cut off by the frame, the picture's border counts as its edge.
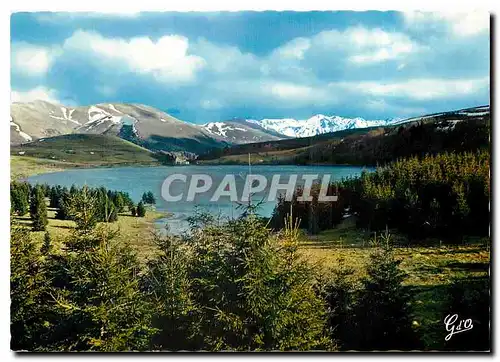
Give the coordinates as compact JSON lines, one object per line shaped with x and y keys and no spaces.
{"x":204,"y":67}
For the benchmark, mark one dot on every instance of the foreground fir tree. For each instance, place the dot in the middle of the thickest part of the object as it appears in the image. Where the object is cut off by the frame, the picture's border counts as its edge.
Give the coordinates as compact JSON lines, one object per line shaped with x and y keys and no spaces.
{"x":47,"y":244}
{"x":167,"y":284}
{"x":383,"y":313}
{"x":96,"y":297}
{"x":27,"y":286}
{"x":339,"y":291}
{"x":253,"y":290}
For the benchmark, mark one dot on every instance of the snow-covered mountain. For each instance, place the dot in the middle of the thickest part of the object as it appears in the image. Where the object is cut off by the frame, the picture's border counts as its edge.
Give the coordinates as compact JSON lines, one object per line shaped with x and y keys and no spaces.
{"x":240,"y":131}
{"x":317,"y":124}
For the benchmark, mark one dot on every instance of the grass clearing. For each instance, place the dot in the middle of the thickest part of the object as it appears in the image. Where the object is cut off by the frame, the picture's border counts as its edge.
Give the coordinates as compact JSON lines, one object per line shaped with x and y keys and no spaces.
{"x":138,"y":231}
{"x":430,"y":270}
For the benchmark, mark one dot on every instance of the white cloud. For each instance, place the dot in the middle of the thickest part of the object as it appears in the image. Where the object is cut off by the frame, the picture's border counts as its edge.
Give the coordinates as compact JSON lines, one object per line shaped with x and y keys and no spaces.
{"x":29,"y":59}
{"x":291,"y":95}
{"x":166,"y":58}
{"x":224,"y":58}
{"x":461,"y":24}
{"x":357,"y":45}
{"x":419,"y":89}
{"x":290,"y":91}
{"x":294,"y":49}
{"x":38,"y":93}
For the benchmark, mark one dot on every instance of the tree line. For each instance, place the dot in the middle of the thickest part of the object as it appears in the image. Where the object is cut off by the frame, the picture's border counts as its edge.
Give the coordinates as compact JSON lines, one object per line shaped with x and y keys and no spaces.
{"x":25,"y":197}
{"x":445,"y":195}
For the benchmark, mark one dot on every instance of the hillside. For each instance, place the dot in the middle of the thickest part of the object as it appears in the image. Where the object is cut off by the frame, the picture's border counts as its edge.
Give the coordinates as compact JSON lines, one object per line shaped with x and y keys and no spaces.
{"x":241,"y":132}
{"x":143,"y":125}
{"x":85,"y":150}
{"x":466,"y":129}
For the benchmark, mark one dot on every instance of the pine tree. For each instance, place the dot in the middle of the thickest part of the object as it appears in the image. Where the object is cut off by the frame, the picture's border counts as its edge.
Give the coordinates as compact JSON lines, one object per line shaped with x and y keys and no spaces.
{"x":27,"y":286}
{"x":82,"y":207}
{"x":383,"y":314}
{"x":96,"y":295}
{"x":38,"y":209}
{"x":19,"y":198}
{"x":340,"y":293}
{"x":168,"y":285}
{"x":254,"y":292}
{"x":151,"y":198}
{"x":141,"y":210}
{"x":118,"y":201}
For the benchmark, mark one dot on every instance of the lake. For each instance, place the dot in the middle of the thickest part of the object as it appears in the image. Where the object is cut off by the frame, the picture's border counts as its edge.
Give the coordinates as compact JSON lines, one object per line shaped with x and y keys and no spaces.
{"x":137,"y":180}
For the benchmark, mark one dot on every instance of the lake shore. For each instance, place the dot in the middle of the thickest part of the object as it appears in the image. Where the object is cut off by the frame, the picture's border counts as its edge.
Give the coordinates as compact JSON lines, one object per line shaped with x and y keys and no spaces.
{"x":22,"y":167}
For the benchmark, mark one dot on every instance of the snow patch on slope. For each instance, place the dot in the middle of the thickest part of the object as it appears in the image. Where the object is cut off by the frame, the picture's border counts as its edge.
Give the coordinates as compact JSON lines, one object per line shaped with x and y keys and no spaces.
{"x":217,"y":128}
{"x":66,"y":115}
{"x":112,"y":107}
{"x":97,"y":116}
{"x":26,"y":136}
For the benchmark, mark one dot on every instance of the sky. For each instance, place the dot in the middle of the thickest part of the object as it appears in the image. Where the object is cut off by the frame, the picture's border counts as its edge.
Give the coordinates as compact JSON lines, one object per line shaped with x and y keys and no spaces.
{"x":204,"y":67}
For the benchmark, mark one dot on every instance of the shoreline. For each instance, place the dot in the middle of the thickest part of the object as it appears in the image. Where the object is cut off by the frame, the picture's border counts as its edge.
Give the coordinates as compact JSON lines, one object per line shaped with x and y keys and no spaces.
{"x":35,"y":166}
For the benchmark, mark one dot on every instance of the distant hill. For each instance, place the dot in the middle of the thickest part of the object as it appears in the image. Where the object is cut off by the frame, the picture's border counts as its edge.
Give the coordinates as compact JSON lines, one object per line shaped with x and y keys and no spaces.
{"x":87,"y":149}
{"x":140,"y":124}
{"x":461,"y":130}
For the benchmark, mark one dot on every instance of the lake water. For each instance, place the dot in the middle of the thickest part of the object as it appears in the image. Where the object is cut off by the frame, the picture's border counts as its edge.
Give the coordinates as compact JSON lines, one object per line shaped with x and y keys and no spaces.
{"x":137,"y":180}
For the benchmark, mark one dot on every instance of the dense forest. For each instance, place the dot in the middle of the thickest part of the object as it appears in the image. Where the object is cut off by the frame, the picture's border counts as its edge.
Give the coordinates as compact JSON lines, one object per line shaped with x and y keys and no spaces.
{"x":443,"y":196}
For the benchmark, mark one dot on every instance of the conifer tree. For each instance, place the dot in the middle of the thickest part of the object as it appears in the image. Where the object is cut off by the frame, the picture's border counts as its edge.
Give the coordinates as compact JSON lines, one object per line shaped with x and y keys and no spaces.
{"x":19,"y":196}
{"x":141,"y":210}
{"x":168,"y":285}
{"x":340,"y":292}
{"x":27,"y":285}
{"x":82,"y":207}
{"x":38,"y":209}
{"x":118,"y":201}
{"x":383,"y":313}
{"x":254,"y":292}
{"x":96,"y":293}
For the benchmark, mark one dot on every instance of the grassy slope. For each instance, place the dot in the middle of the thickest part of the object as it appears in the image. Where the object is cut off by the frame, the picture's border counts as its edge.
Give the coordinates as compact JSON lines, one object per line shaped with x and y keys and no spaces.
{"x":429,"y":269}
{"x":75,"y":150}
{"x":135,"y":230}
{"x":24,"y":166}
{"x":86,"y":149}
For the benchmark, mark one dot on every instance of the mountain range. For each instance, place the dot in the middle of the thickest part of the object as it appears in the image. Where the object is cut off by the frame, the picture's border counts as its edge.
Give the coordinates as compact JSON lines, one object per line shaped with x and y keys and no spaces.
{"x":317,"y":124}
{"x":158,"y":131}
{"x":454,"y":131}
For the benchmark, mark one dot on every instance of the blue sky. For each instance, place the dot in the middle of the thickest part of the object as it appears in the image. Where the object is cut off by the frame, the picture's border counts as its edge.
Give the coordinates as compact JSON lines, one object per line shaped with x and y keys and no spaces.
{"x":204,"y":67}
